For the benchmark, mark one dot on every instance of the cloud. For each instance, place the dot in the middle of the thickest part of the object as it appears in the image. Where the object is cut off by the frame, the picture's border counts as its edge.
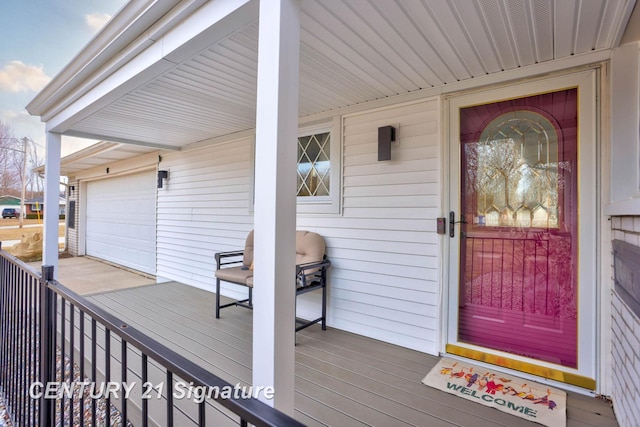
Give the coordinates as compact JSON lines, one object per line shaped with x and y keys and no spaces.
{"x":95,"y":21}
{"x":17,"y":76}
{"x":22,"y":124}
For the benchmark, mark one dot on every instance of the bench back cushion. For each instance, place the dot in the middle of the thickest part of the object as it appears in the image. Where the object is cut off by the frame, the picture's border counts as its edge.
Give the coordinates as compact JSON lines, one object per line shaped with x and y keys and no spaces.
{"x":310,"y":247}
{"x":247,"y":259}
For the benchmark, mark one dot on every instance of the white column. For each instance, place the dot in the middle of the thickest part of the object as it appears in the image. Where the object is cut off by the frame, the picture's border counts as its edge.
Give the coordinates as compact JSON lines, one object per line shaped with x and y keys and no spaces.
{"x":275,"y":200}
{"x":51,"y":201}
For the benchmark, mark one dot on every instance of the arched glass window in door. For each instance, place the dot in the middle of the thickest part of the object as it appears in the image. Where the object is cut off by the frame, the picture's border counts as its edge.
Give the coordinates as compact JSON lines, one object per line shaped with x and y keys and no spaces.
{"x":517,"y":167}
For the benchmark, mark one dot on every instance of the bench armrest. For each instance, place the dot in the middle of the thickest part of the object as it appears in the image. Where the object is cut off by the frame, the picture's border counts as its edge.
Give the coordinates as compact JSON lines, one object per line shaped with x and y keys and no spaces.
{"x":310,"y":271}
{"x":222,"y":258}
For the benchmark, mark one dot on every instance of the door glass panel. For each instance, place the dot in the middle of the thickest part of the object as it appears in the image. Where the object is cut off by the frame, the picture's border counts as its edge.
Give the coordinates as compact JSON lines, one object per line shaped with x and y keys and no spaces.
{"x":518,"y":287}
{"x":517,"y":168}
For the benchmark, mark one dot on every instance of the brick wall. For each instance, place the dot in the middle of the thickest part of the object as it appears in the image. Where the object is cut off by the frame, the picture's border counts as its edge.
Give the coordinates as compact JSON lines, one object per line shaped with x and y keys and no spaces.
{"x":626,"y":339}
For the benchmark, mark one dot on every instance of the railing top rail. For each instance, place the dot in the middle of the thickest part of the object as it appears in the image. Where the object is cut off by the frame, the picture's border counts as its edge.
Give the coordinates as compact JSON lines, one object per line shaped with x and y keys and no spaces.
{"x":252,"y":410}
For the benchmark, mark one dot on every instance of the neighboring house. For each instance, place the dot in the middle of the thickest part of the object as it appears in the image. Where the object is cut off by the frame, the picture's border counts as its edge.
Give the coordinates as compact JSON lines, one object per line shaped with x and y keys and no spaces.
{"x":485,"y":230}
{"x":36,"y":206}
{"x":9,"y":202}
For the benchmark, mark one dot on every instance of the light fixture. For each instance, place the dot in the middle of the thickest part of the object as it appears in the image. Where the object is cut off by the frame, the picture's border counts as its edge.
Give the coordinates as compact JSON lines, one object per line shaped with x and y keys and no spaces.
{"x":386,"y":135}
{"x":162,"y":175}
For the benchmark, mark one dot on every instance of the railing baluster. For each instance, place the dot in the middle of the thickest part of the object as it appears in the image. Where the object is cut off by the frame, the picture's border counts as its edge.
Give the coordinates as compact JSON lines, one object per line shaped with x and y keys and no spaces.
{"x":81,"y":364}
{"x":62,"y":355}
{"x":169,"y":388}
{"x":123,"y":365}
{"x":107,"y":372}
{"x":20,"y":310}
{"x":54,"y":344}
{"x":72,"y":351}
{"x":145,"y":401}
{"x":28,"y":347}
{"x":94,"y":362}
{"x":202,"y":406}
{"x":35,"y":338}
{"x":37,"y":342}
{"x":3,"y":322}
{"x":23,"y":346}
{"x":47,"y":315}
{"x":3,"y":318}
{"x":14,"y":341}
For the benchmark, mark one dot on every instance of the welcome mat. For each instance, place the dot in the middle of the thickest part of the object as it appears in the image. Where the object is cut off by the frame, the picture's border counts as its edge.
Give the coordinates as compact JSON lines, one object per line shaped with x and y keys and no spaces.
{"x":525,"y":399}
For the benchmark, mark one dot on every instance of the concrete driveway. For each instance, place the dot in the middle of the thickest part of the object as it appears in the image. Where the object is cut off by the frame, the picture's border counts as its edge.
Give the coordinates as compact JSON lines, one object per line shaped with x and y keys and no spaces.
{"x":88,"y":276}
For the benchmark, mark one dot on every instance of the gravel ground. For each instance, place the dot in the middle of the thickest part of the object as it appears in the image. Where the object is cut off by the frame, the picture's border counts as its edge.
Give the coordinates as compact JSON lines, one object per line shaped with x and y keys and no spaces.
{"x":5,"y":421}
{"x":81,"y":404}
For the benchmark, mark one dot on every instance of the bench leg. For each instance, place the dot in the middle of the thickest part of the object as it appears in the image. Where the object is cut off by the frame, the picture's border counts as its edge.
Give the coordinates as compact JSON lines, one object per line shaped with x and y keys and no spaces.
{"x":324,"y":307}
{"x":217,"y":298}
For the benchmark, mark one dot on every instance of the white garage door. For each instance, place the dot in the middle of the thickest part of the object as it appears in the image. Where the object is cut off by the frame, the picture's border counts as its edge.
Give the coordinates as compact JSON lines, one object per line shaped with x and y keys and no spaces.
{"x":121,"y":220}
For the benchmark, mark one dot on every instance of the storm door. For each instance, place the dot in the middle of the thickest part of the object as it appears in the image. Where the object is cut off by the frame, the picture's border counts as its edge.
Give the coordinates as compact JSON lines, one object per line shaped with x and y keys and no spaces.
{"x":516,"y":238}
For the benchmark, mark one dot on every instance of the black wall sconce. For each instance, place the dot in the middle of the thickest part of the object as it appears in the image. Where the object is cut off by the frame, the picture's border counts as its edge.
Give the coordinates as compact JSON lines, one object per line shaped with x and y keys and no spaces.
{"x":386,"y":135}
{"x":72,"y":188}
{"x":162,"y":175}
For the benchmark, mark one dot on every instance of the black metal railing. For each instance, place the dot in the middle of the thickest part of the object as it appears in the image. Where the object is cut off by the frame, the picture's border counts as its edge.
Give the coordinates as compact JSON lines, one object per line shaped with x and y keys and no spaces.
{"x":19,"y":337}
{"x":66,"y":361}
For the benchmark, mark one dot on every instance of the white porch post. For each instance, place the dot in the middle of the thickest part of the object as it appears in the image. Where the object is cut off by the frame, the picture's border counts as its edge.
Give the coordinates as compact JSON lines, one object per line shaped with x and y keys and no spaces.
{"x":275,"y":200}
{"x":51,"y":201}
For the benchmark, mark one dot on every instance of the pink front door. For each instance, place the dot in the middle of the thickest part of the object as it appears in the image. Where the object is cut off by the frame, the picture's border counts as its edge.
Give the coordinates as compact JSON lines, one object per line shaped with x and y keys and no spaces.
{"x":519,"y":244}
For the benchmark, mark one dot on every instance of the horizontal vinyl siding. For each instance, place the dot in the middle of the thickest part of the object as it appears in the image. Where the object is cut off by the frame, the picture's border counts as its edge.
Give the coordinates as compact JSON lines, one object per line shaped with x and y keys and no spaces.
{"x":385,"y":253}
{"x":203,"y":209}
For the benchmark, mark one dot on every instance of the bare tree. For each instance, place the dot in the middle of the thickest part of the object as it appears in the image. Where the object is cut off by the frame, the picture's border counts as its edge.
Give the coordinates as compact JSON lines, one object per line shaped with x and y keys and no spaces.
{"x":10,"y":154}
{"x":34,"y":180}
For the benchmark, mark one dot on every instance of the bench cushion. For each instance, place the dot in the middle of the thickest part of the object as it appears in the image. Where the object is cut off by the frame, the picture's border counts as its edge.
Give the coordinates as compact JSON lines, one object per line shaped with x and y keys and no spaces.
{"x":234,"y":274}
{"x":247,"y":259}
{"x":310,"y":247}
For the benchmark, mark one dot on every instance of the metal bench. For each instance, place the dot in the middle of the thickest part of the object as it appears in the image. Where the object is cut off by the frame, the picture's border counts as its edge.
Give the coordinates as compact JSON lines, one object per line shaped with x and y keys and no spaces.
{"x":311,"y":273}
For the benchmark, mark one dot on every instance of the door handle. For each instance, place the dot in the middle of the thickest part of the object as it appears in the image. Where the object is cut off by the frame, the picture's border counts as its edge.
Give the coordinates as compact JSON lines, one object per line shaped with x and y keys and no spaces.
{"x":453,"y":222}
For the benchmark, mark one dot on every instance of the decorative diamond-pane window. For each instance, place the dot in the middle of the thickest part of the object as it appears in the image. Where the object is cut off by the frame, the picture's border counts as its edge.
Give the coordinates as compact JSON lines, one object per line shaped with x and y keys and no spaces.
{"x":314,"y":166}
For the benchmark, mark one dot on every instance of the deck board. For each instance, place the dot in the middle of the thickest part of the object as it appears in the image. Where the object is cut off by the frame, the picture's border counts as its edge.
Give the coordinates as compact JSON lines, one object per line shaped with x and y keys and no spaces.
{"x":341,"y":379}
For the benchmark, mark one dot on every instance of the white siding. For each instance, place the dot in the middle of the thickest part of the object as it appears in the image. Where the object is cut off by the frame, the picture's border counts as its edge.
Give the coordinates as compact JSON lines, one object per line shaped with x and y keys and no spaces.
{"x":385,"y":252}
{"x":384,"y":249}
{"x":203,"y":209}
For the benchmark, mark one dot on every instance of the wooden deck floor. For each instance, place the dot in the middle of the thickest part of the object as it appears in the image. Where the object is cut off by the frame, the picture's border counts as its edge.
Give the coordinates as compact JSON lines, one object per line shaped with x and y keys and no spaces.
{"x":341,"y":379}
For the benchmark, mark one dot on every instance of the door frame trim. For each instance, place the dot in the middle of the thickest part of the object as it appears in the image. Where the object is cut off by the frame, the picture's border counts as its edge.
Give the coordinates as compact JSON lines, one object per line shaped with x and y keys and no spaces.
{"x":588,"y":227}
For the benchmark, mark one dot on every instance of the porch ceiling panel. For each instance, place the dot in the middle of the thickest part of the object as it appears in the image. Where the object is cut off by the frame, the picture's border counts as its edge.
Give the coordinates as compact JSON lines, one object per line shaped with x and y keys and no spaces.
{"x":358,"y":51}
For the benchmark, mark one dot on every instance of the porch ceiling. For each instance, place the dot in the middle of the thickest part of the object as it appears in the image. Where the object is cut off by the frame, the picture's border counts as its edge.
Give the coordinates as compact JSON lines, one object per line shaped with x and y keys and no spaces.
{"x":353,"y":52}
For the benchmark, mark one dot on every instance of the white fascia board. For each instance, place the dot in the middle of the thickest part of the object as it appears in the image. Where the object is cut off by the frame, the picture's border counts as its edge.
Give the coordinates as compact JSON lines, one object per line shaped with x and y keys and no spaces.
{"x":120,"y":167}
{"x":88,"y":152}
{"x":209,"y":24}
{"x":132,"y":34}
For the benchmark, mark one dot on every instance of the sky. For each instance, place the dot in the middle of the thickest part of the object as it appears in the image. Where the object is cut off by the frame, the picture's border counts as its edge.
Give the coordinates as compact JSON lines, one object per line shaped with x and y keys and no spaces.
{"x":37,"y":39}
